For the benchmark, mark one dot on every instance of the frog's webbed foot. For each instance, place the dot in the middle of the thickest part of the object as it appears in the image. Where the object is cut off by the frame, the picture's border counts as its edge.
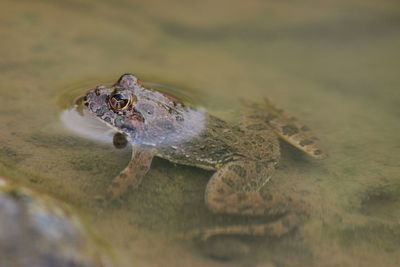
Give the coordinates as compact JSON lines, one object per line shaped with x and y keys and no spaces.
{"x":133,"y":174}
{"x":287,"y":127}
{"x":234,"y":189}
{"x":293,"y":131}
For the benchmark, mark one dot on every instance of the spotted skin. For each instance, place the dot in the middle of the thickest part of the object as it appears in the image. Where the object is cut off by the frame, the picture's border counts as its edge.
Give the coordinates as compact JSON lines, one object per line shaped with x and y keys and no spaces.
{"x":243,"y":154}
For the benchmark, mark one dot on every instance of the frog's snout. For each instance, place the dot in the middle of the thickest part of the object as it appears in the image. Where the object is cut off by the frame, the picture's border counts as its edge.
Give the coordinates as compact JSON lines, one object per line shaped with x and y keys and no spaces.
{"x":94,"y":99}
{"x":86,"y":100}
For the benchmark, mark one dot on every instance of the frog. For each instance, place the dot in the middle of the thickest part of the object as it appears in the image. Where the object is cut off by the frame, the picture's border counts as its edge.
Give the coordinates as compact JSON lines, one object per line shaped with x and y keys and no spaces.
{"x":242,"y":154}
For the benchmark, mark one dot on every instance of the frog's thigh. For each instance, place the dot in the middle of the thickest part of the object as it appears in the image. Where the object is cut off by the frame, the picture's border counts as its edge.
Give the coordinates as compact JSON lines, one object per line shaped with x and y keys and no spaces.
{"x":133,"y":174}
{"x":234,"y":189}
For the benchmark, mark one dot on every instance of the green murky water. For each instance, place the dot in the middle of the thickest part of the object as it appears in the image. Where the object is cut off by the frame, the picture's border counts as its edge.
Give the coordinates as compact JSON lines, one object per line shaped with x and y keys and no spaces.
{"x":335,"y":65}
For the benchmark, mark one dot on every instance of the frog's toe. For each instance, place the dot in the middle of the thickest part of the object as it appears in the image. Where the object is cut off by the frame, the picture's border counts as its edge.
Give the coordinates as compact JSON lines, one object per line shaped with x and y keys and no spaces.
{"x":277,"y":228}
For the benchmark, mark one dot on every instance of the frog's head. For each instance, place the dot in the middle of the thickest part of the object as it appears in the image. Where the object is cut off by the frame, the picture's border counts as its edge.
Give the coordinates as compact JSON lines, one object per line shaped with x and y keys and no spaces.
{"x":115,"y":105}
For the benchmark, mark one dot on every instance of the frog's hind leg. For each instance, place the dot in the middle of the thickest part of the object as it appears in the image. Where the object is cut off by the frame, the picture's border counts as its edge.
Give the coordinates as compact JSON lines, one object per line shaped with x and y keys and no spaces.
{"x":234,"y":189}
{"x":293,"y":131}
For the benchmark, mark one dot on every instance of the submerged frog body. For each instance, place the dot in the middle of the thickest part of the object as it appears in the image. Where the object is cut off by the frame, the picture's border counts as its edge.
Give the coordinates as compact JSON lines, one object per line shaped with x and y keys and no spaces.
{"x":243,"y":155}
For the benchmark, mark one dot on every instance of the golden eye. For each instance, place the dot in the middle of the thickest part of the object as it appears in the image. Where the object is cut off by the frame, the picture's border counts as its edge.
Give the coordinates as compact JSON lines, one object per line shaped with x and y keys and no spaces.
{"x":119,"y":101}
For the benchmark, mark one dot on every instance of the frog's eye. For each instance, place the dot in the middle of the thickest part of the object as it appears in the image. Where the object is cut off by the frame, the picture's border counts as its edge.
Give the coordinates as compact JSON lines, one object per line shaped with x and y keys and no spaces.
{"x":119,"y":101}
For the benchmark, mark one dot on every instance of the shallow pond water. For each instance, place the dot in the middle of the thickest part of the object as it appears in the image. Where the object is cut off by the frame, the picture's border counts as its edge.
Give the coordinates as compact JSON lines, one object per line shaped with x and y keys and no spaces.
{"x":334,"y":65}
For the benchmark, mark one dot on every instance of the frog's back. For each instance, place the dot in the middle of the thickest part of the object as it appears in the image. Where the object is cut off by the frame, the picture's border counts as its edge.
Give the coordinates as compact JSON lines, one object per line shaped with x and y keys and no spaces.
{"x":220,"y":142}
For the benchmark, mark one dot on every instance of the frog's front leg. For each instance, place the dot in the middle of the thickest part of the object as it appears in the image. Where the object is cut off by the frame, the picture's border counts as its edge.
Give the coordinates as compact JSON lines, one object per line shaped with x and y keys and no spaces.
{"x":133,"y":174}
{"x":234,"y":189}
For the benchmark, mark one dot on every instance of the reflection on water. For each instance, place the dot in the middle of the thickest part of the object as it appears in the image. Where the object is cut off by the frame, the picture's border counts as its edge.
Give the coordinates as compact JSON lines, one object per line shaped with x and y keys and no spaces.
{"x":85,"y":125}
{"x":332,"y":64}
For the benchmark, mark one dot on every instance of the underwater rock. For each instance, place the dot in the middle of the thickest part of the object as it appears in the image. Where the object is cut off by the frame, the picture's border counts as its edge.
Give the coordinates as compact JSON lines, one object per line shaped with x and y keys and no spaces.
{"x":39,"y":231}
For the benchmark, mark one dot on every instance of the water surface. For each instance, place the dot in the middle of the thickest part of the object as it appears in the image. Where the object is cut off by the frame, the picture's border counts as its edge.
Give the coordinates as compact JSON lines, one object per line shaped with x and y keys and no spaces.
{"x":334,"y":65}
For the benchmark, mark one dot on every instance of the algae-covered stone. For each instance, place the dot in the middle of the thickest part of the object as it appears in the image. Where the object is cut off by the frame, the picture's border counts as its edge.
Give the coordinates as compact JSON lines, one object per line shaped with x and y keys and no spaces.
{"x":39,"y":231}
